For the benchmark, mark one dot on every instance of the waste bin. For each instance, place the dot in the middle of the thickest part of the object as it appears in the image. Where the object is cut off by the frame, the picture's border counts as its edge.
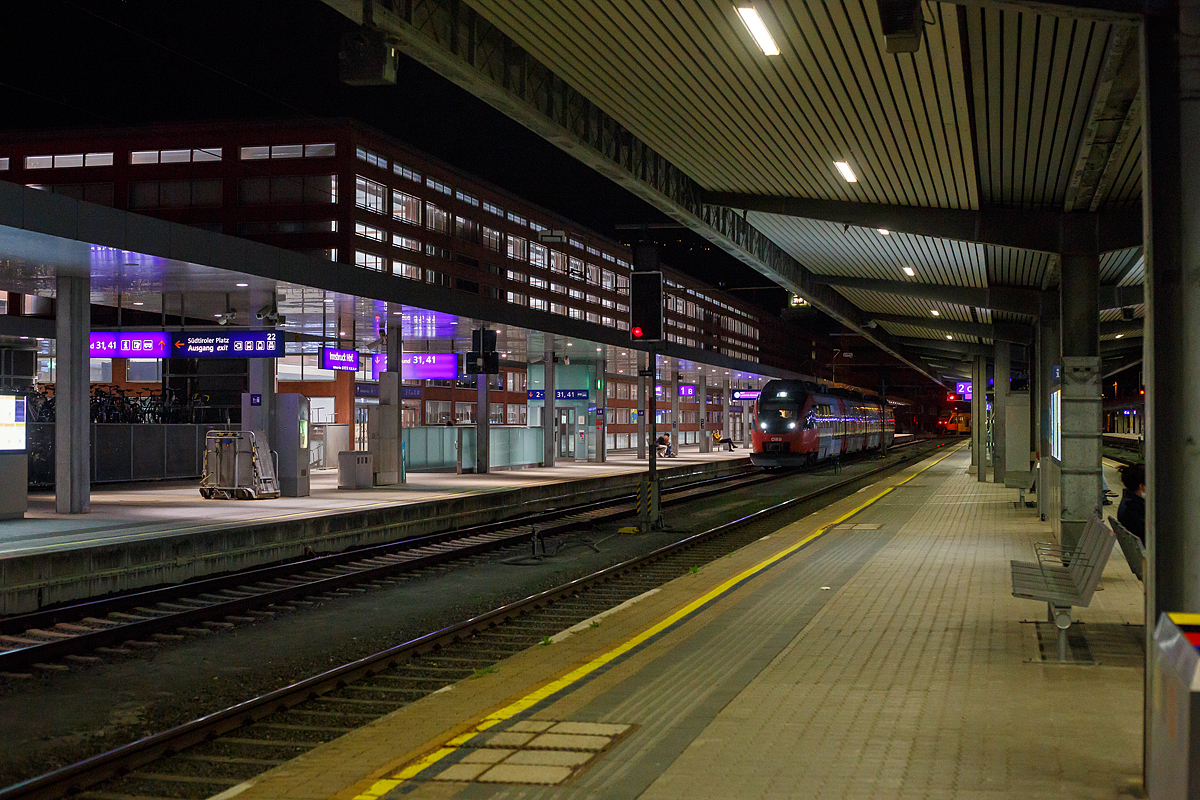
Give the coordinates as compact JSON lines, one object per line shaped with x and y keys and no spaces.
{"x":1174,"y":770}
{"x":355,"y":469}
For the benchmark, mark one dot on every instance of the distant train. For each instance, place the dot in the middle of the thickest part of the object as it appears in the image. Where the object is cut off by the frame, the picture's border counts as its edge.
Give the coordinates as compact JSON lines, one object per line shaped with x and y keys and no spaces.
{"x":795,"y":423}
{"x":955,"y":422}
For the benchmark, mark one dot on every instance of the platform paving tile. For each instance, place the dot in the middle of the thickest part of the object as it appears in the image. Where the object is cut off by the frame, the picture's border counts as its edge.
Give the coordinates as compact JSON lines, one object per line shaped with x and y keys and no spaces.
{"x":916,"y":681}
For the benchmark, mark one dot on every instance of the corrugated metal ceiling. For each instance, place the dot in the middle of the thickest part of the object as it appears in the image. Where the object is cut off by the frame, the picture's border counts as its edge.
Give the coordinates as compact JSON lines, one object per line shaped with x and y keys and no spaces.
{"x":991,"y":110}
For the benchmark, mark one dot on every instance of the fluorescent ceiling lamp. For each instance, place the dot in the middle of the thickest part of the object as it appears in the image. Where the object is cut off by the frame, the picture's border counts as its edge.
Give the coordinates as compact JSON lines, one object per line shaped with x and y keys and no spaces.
{"x":1119,"y":335}
{"x":909,"y":272}
{"x":885,"y":231}
{"x":847,"y":173}
{"x":948,"y":336}
{"x":935,"y":312}
{"x":758,"y":30}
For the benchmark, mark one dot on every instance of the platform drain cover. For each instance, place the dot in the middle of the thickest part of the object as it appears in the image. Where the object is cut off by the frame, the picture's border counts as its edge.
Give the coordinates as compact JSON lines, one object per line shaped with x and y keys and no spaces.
{"x":537,"y":752}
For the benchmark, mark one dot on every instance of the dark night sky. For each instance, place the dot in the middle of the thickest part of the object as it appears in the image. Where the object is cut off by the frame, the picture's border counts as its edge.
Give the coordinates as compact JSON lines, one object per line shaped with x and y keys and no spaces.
{"x":116,"y":63}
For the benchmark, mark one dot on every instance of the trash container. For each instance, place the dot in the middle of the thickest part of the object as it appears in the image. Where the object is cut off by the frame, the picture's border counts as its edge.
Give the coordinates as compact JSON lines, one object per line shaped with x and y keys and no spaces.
{"x":1174,"y":770}
{"x":355,"y":469}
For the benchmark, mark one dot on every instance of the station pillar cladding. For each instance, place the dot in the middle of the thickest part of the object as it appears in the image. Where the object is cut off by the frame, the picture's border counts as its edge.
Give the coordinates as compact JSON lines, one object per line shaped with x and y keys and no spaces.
{"x":72,"y":395}
{"x":705,"y":433}
{"x":978,"y":387}
{"x":1003,"y":374}
{"x":1080,"y":481}
{"x":286,"y":434}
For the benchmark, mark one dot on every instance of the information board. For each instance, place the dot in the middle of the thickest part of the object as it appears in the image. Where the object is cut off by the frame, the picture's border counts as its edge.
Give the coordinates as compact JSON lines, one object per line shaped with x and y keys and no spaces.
{"x":130,"y":345}
{"x":963,"y":389}
{"x":419,"y":366}
{"x":340,"y":360}
{"x":559,"y":394}
{"x":687,"y":390}
{"x":746,"y":394}
{"x":1056,"y":424}
{"x":12,"y":422}
{"x":227,"y":344}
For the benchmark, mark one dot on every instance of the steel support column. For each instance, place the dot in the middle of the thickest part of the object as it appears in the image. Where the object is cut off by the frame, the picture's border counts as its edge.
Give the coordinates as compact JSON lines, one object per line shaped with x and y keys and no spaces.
{"x":72,"y":395}
{"x":1080,"y":472}
{"x":705,"y":433}
{"x":1048,"y":360}
{"x":549,"y":420}
{"x":1003,"y":374}
{"x":1170,"y":201}
{"x":483,"y":426}
{"x":675,"y":437}
{"x":978,"y":409}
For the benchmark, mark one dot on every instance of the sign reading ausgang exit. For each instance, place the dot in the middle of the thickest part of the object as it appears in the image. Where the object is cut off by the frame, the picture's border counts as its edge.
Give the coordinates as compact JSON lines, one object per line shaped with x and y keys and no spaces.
{"x":227,"y":344}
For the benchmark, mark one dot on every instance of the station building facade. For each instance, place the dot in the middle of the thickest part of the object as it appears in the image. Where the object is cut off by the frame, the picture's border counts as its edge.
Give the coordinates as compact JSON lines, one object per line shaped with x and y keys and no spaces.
{"x":350,"y":194}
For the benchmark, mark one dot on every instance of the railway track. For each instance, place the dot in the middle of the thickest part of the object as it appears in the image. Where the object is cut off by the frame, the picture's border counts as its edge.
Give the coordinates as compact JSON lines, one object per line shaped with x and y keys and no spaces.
{"x":214,"y":753}
{"x":83,"y":634}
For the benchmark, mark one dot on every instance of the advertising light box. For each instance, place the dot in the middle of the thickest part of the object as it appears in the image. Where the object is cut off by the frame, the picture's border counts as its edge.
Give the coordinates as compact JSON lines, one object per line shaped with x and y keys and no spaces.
{"x":12,"y":422}
{"x":419,"y":366}
{"x":227,"y":344}
{"x":130,"y":345}
{"x":746,"y":394}
{"x":340,"y":360}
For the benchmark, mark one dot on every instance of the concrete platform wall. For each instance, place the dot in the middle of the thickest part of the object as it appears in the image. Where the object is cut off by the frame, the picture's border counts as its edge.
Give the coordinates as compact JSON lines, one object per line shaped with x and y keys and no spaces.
{"x":28,"y":583}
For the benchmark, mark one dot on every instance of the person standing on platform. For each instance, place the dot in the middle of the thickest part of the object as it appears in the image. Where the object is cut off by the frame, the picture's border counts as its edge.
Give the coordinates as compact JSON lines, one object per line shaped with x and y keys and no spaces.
{"x":1132,"y":511}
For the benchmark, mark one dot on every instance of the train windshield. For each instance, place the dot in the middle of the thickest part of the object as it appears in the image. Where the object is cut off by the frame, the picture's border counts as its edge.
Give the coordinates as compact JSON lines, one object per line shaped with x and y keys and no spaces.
{"x":776,"y":409}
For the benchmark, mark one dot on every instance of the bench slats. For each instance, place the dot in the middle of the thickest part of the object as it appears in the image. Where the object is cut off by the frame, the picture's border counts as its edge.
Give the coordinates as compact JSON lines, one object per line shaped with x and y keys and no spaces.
{"x":1072,"y":584}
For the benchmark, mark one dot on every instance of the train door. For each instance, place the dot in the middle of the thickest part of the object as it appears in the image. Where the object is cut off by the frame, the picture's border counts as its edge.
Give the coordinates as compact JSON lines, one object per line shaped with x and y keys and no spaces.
{"x":566,"y":432}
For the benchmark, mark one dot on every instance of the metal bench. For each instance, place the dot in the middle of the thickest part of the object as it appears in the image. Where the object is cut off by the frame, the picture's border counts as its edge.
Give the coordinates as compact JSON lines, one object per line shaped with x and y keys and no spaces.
{"x":1064,"y":577}
{"x":1133,"y":548}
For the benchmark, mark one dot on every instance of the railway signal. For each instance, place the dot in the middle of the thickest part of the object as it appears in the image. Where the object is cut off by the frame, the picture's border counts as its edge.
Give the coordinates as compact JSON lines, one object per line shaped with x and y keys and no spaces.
{"x":646,"y":307}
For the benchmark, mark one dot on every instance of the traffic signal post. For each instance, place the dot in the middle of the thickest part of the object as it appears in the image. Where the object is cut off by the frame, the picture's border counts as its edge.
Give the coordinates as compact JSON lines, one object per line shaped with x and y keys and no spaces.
{"x":646,"y":325}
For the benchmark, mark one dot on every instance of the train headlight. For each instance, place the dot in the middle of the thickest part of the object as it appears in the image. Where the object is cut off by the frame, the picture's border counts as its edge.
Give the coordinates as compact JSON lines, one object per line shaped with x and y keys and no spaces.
{"x":791,"y":425}
{"x":762,"y":425}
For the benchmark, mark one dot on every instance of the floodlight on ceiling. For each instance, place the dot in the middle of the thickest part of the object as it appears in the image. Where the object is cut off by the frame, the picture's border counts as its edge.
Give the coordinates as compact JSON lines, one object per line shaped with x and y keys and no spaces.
{"x":902,"y":23}
{"x":948,"y":336}
{"x":884,"y":231}
{"x":847,"y":173}
{"x":758,"y":30}
{"x":909,"y":272}
{"x":935,"y":312}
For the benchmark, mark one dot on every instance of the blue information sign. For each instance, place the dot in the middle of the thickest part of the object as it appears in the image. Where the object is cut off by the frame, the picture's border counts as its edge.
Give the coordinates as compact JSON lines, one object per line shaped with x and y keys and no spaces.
{"x":537,"y":394}
{"x":227,"y":344}
{"x":559,"y":394}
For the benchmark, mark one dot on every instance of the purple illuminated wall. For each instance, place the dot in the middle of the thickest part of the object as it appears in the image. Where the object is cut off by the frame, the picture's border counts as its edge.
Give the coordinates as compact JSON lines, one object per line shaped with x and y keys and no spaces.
{"x":420,"y":366}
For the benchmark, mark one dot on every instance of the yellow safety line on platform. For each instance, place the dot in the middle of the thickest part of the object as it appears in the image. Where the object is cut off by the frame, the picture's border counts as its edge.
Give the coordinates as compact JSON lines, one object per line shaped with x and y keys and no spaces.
{"x":382,"y":787}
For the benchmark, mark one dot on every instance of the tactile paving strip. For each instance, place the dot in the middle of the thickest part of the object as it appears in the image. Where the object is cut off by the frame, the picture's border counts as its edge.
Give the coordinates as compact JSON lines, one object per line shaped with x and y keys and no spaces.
{"x":537,"y":752}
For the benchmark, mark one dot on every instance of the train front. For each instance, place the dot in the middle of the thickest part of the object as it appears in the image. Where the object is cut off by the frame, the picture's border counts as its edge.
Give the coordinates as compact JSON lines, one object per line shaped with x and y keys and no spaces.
{"x":784,"y":433}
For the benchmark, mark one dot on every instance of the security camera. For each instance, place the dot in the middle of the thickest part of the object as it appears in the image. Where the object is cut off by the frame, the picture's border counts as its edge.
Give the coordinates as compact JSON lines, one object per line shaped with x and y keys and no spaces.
{"x":567,"y":360}
{"x":227,"y":317}
{"x":264,"y":312}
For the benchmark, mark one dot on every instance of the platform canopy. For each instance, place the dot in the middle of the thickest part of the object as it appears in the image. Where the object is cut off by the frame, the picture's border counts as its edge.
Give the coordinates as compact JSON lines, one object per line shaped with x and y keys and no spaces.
{"x":1012,"y":132}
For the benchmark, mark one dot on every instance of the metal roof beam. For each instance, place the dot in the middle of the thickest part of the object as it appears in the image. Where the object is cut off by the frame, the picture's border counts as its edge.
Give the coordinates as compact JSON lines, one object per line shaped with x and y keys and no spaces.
{"x":1027,"y":229}
{"x":1013,"y":299}
{"x":1002,"y":331}
{"x":452,"y":39}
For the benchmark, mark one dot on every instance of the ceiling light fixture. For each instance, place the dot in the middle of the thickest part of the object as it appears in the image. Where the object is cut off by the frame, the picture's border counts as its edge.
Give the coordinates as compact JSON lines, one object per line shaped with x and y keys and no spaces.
{"x":138,"y":304}
{"x":243,"y":285}
{"x":909,"y":272}
{"x":847,"y":173}
{"x":948,"y":336}
{"x":1119,"y":335}
{"x":758,"y":30}
{"x":935,"y":312}
{"x":884,"y":231}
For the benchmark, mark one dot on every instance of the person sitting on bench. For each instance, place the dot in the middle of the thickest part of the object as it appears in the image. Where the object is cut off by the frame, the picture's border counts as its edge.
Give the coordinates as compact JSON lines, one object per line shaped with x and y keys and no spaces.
{"x":719,"y":440}
{"x":663,"y":445}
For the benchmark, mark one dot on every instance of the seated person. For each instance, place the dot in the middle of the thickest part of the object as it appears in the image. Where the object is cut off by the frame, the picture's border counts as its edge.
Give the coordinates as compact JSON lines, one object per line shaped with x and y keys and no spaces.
{"x":1132,"y":511}
{"x":663,"y":445}
{"x":719,"y":440}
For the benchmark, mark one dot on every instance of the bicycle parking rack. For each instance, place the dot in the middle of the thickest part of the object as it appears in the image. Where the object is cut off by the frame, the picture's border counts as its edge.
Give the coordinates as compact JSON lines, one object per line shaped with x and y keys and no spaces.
{"x":235,"y":469}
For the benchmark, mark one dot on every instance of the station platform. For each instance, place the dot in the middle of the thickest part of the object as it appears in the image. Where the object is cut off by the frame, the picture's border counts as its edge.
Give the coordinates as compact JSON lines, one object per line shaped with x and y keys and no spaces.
{"x":151,"y":534}
{"x":872,"y":649}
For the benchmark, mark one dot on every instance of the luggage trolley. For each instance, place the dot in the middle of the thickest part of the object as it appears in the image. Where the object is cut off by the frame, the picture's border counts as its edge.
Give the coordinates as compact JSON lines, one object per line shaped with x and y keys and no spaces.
{"x":236,"y":468}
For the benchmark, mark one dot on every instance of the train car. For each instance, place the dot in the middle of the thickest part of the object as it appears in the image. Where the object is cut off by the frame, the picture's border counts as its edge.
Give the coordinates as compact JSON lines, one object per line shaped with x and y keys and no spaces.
{"x":955,"y":423}
{"x":797,"y":424}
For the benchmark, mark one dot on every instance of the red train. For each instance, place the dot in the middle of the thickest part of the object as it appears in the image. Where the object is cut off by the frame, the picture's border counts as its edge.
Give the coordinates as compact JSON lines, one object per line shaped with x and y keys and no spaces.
{"x":796,"y":424}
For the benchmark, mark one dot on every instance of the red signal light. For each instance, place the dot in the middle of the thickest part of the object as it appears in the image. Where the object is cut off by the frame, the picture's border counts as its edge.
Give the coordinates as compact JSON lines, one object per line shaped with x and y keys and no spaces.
{"x":637,"y":332}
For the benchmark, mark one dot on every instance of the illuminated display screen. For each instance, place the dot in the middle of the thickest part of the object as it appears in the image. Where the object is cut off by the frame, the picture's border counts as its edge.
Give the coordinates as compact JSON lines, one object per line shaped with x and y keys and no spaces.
{"x":420,"y":366}
{"x":341,"y":360}
{"x":1056,"y":425}
{"x":227,"y":344}
{"x":12,"y":422}
{"x":746,"y":394}
{"x":130,"y":345}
